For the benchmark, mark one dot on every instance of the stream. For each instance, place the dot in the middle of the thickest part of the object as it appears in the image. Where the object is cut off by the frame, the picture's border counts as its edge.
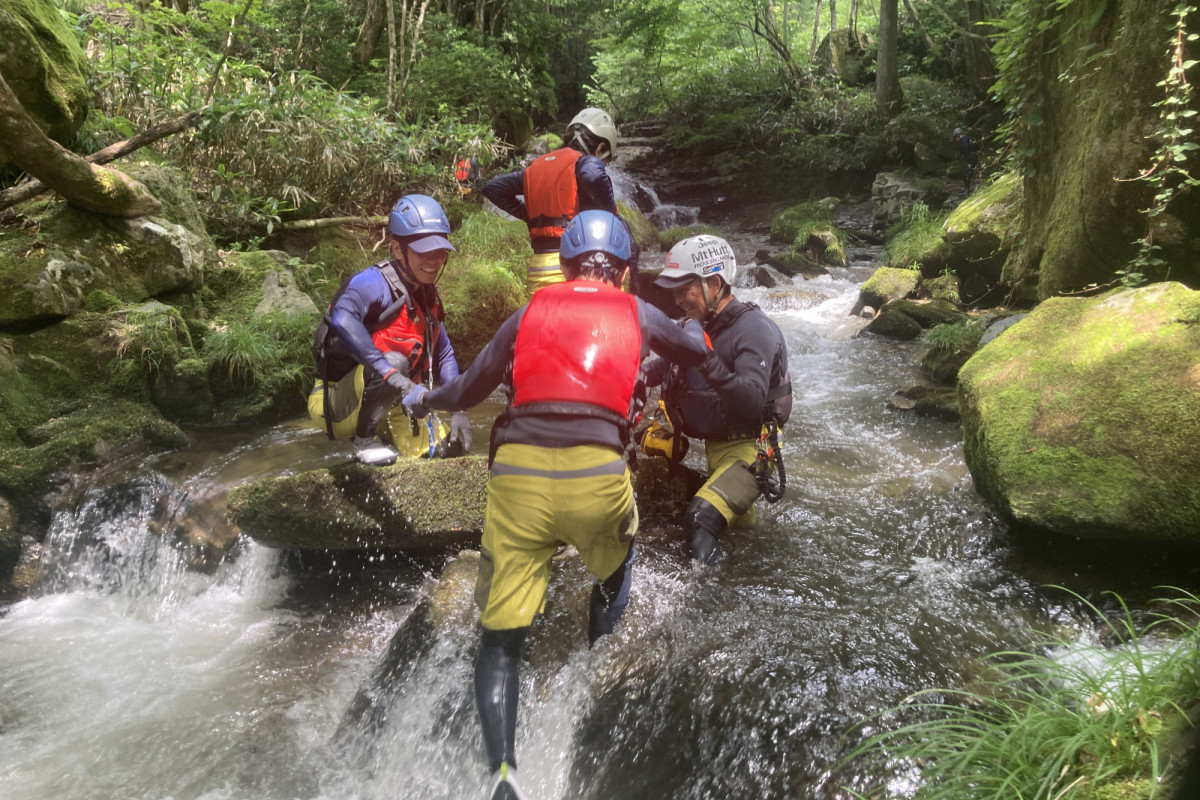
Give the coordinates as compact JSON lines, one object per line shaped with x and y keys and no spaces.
{"x":127,"y":674}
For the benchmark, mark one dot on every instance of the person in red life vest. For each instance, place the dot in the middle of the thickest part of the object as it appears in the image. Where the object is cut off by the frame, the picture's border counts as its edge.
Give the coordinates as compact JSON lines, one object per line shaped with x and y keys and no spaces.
{"x":383,"y":334}
{"x":570,"y":360}
{"x":548,"y":193}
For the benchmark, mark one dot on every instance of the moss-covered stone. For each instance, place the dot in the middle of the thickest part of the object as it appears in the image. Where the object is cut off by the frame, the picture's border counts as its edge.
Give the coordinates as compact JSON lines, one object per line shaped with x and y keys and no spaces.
{"x":887,"y":283}
{"x":942,"y":287}
{"x":644,"y":232}
{"x":788,"y":225}
{"x":45,"y":67}
{"x":893,"y":323}
{"x":940,"y":402}
{"x":1083,"y":419}
{"x":927,"y":313}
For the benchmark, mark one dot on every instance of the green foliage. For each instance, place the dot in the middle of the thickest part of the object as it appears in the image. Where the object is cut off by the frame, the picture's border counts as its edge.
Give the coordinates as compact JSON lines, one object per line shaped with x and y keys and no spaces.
{"x":788,"y":225}
{"x":484,"y":282}
{"x":266,"y":348}
{"x":1171,"y":173}
{"x":153,"y":338}
{"x":918,"y":232}
{"x":955,"y":337}
{"x":270,"y":143}
{"x":1054,"y":722}
{"x":673,"y":236}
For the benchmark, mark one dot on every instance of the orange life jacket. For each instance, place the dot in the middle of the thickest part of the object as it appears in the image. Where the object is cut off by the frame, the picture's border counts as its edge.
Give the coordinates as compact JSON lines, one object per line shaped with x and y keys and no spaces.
{"x":551,"y":192}
{"x":579,"y":347}
{"x":413,"y":334}
{"x":463,"y":170}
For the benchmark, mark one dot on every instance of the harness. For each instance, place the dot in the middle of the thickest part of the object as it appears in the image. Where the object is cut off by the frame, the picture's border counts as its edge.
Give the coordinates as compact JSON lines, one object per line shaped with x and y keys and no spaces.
{"x":321,"y":338}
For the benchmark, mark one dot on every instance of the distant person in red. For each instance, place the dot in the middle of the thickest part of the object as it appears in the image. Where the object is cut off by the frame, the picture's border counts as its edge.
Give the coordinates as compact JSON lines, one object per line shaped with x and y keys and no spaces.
{"x":552,"y":190}
{"x":467,"y":173}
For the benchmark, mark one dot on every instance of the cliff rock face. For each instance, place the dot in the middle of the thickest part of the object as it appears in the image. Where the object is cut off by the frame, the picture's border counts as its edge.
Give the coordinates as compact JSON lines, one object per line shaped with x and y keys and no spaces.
{"x":1083,"y":419}
{"x":42,"y":62}
{"x":1089,"y":125}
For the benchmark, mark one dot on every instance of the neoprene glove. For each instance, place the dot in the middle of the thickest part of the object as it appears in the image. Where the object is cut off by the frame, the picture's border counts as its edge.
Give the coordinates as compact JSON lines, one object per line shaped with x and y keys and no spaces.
{"x":460,"y":430}
{"x":397,"y":380}
{"x":412,"y":402}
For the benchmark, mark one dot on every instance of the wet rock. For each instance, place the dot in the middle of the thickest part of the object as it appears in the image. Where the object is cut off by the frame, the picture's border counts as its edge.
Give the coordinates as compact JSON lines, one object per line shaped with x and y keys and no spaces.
{"x":888,"y":283}
{"x":929,"y":401}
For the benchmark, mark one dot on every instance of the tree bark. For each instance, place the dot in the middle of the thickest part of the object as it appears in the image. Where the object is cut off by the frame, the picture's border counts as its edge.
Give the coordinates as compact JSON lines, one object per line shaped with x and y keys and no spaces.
{"x":888,"y":95}
{"x":31,"y":188}
{"x":93,"y":188}
{"x":368,"y":34}
{"x":327,"y":222}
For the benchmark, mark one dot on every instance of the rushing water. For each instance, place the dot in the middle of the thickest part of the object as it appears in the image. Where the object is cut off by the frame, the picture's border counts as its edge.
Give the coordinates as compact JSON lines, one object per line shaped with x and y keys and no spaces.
{"x":128,"y":675}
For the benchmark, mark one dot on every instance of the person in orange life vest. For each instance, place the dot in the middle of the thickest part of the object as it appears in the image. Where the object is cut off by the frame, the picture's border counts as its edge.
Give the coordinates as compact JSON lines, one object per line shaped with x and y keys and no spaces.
{"x":570,"y":359}
{"x":383,"y":334}
{"x":548,"y":193}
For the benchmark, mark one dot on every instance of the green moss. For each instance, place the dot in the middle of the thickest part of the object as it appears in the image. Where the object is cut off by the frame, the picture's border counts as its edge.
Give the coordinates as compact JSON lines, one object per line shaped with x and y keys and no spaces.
{"x":643,"y":229}
{"x":1049,"y":406}
{"x":887,"y":284}
{"x":673,"y":236}
{"x":787,"y":225}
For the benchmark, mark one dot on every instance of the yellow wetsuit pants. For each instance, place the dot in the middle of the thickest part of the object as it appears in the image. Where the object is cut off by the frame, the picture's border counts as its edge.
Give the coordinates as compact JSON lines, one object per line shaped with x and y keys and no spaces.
{"x":539,"y":498}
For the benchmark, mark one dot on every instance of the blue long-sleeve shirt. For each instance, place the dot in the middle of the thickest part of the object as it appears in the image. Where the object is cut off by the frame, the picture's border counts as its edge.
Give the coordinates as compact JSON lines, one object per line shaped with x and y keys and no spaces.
{"x":356,"y":314}
{"x":683,"y":345}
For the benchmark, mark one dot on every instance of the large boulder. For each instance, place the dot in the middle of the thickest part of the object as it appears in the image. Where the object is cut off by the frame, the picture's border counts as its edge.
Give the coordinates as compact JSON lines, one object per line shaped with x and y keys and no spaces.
{"x":43,"y":64}
{"x":55,"y":255}
{"x":1081,"y":419}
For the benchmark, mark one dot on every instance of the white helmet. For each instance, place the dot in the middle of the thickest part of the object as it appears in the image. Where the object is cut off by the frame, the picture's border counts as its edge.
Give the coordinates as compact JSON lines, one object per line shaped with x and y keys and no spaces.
{"x":600,"y":124}
{"x":698,"y":257}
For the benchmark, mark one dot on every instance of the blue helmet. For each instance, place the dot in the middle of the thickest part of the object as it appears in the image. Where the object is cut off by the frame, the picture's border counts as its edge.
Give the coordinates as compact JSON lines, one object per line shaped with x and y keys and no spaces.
{"x":419,"y":220}
{"x":595,"y":232}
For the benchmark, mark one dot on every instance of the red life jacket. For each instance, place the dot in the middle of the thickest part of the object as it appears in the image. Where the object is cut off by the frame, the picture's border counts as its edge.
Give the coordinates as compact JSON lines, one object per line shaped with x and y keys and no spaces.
{"x":413,"y":334}
{"x":551,"y":192}
{"x":463,"y":170}
{"x":579,"y":347}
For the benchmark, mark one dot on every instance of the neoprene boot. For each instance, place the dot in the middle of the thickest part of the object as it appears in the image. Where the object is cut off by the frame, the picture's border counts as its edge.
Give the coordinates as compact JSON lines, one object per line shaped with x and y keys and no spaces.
{"x":609,"y":598}
{"x":496,"y":694}
{"x":703,"y":524}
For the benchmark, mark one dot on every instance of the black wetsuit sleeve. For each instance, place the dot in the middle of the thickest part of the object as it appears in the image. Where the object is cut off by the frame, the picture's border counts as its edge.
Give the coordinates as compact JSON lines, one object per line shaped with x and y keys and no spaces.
{"x":741,"y":373}
{"x":366,"y":296}
{"x":679,"y":345}
{"x":595,"y":187}
{"x":506,"y":192}
{"x":485,"y":374}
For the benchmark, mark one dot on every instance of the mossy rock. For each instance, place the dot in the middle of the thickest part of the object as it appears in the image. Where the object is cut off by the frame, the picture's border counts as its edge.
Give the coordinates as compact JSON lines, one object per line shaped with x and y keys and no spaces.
{"x":788,"y":224}
{"x":927,"y":313}
{"x":939,"y":402}
{"x":416,"y":505}
{"x":894,"y":324}
{"x":45,"y":67}
{"x":644,"y":232}
{"x":942,"y":364}
{"x":1081,"y":419}
{"x":92,"y":435}
{"x":887,"y":283}
{"x":942,"y":287}
{"x":673,"y":236}
{"x":791,"y":263}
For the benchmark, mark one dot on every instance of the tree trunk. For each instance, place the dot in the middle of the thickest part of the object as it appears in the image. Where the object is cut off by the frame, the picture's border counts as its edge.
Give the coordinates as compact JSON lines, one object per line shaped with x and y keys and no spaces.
{"x":93,"y":188}
{"x":392,"y":55}
{"x":368,"y":34}
{"x":912,"y":12}
{"x":812,"y":51}
{"x":888,"y":95}
{"x":832,"y":15}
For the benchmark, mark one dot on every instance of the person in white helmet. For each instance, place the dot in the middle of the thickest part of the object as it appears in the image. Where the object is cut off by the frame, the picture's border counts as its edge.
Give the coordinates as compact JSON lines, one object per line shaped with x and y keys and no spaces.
{"x":743,"y":385}
{"x":552,"y":191}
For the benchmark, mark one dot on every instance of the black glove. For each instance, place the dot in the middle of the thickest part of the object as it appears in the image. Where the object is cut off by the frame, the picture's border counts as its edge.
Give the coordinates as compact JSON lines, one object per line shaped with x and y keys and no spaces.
{"x":460,"y":430}
{"x":399,"y":382}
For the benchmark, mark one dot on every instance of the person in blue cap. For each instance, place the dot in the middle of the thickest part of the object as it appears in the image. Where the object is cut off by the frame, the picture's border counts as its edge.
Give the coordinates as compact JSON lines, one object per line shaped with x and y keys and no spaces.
{"x":383,"y":334}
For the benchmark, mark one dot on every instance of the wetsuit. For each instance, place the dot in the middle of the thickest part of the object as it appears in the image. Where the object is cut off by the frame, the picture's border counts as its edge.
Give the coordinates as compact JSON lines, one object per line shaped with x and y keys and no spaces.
{"x":558,"y":474}
{"x":725,"y":403}
{"x":353,"y":367}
